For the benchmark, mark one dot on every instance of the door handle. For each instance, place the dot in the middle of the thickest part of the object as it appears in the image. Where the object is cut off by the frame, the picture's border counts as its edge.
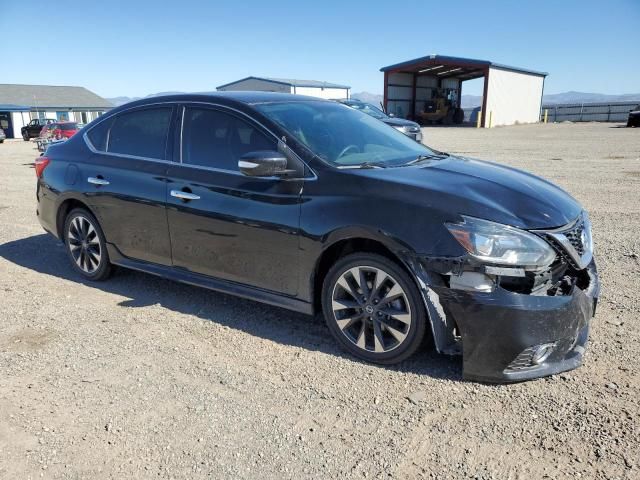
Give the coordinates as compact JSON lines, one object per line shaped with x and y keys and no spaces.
{"x":184,"y":195}
{"x":97,"y":181}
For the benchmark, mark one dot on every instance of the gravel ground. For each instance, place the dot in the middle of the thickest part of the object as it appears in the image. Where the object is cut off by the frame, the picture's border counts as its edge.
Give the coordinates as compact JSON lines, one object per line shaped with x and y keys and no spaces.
{"x":145,"y":378}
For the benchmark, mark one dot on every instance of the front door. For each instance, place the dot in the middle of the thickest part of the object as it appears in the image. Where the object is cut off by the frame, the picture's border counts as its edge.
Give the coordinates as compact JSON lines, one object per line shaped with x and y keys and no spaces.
{"x":234,"y":227}
{"x":125,"y":181}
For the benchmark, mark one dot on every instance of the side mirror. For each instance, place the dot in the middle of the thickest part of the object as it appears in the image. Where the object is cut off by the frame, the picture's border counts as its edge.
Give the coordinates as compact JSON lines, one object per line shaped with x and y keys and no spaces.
{"x":263,"y":163}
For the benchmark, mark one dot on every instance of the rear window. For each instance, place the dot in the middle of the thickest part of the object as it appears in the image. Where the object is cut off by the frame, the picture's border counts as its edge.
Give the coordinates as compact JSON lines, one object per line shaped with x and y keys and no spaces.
{"x":67,"y":126}
{"x":142,"y":133}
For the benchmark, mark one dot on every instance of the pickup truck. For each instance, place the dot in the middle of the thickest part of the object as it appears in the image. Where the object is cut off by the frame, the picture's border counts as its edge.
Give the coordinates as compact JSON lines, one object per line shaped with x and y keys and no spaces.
{"x":32,"y":129}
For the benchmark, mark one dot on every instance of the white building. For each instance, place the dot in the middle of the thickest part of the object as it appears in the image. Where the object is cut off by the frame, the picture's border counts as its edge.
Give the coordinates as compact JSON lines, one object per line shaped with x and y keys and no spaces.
{"x":313,"y":88}
{"x":19,"y":104}
{"x":511,"y":94}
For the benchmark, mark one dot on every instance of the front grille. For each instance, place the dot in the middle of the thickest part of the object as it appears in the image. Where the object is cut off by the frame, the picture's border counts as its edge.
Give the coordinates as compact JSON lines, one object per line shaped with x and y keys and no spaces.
{"x":573,"y":242}
{"x":574,"y":235}
{"x":557,"y":246}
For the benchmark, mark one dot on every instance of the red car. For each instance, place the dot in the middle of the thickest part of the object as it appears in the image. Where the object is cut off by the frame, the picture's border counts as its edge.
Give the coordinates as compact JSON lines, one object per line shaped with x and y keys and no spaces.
{"x":59,"y":130}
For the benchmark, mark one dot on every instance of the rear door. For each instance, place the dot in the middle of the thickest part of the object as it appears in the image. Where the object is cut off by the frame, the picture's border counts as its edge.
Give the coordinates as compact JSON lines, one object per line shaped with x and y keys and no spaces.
{"x":125,"y":181}
{"x":238,"y":228}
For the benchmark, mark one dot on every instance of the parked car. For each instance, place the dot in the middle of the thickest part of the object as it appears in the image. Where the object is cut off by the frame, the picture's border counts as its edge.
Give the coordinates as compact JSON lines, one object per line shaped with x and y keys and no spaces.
{"x":409,"y":128}
{"x":304,"y":204}
{"x":634,"y":117}
{"x":3,"y":136}
{"x":47,"y":131}
{"x":63,"y":130}
{"x":33,"y":128}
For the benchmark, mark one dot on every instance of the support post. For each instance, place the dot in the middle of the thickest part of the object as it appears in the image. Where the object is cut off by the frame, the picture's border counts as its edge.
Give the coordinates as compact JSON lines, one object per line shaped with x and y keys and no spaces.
{"x":386,"y":92}
{"x":484,"y":98}
{"x":413,"y":97}
{"x":546,"y":113}
{"x":478,"y":120}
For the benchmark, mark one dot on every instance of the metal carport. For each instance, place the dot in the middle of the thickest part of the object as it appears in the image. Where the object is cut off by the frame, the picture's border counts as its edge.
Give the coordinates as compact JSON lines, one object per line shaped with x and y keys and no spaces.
{"x":510,"y":94}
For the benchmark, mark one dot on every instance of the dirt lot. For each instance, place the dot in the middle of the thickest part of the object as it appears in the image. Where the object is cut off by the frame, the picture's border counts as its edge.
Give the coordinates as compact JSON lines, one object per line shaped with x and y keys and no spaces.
{"x":144,"y":378}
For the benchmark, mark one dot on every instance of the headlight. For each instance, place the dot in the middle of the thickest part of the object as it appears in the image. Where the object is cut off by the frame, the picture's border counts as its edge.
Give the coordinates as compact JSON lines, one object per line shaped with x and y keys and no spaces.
{"x":501,"y":244}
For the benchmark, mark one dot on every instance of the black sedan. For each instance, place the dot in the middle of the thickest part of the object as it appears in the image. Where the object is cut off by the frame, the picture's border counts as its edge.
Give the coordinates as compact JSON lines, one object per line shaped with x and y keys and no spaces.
{"x":308,"y":205}
{"x":409,"y":128}
{"x":634,"y":117}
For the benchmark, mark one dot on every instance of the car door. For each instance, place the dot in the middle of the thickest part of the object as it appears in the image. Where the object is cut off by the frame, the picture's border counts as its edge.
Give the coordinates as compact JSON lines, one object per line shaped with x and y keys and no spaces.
{"x":125,"y":181}
{"x":33,"y":128}
{"x":228,"y":225}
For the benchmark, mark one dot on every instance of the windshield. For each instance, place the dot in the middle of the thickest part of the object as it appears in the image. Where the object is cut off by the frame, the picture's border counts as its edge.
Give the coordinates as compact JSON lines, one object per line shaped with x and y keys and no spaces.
{"x":343,"y":136}
{"x":368,"y":109}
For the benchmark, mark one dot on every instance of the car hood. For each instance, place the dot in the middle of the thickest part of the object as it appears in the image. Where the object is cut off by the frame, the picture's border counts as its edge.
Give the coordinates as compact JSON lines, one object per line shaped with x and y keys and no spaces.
{"x":399,"y":122}
{"x":460,"y":185}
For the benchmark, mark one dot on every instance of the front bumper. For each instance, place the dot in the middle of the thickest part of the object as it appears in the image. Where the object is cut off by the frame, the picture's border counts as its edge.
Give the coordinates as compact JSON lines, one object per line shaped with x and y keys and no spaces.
{"x":500,"y":330}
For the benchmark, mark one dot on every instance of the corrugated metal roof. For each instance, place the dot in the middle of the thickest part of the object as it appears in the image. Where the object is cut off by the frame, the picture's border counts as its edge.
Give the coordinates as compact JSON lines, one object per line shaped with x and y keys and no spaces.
{"x":50,"y":96}
{"x":292,"y":82}
{"x":432,"y":59}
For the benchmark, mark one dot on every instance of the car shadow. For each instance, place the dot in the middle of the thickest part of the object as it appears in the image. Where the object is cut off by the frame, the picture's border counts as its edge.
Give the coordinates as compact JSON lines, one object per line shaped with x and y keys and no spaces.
{"x":44,"y":254}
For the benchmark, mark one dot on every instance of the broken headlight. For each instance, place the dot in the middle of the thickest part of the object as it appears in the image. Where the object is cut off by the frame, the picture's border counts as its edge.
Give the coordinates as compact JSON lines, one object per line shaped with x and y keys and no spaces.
{"x":499,"y":244}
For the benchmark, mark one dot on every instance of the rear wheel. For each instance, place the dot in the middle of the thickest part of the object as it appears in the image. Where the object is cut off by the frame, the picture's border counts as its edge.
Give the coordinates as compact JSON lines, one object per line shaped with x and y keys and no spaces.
{"x":373,"y":308}
{"x":86,"y":245}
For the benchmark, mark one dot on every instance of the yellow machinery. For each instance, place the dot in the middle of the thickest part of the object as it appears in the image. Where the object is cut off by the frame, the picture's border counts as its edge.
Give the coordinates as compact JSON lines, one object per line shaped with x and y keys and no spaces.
{"x":441,"y":108}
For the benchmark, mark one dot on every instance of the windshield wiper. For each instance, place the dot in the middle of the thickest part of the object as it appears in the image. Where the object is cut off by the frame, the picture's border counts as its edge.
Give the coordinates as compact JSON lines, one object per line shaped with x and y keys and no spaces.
{"x":371,"y":165}
{"x":422,"y":158}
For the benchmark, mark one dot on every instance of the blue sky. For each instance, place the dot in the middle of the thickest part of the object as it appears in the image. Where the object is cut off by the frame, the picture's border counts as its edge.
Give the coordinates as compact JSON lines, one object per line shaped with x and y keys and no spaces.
{"x":138,"y":47}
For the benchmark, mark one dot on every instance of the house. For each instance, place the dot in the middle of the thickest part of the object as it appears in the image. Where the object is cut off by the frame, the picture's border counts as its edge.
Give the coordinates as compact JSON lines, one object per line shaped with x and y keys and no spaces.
{"x":19,"y":104}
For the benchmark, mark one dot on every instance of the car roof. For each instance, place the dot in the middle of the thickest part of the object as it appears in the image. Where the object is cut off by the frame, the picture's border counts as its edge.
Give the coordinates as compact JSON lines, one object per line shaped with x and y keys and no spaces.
{"x":227,"y":97}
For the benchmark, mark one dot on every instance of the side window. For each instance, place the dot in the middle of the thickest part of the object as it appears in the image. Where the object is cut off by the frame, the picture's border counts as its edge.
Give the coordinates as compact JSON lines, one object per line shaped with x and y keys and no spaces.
{"x":212,"y":138}
{"x":99,"y":135}
{"x":142,"y":133}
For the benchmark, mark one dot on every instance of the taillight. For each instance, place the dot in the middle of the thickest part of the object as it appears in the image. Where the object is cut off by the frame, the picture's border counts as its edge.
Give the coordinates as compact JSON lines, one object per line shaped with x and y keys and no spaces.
{"x":40,"y":164}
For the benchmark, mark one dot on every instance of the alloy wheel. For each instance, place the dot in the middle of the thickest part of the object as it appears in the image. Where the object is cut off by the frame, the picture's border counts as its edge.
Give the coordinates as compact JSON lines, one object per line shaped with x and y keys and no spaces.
{"x":84,"y":244}
{"x":371,"y":309}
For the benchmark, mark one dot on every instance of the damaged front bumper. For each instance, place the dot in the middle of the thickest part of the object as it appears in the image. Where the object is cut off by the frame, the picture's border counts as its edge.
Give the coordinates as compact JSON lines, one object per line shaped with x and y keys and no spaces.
{"x":508,"y":337}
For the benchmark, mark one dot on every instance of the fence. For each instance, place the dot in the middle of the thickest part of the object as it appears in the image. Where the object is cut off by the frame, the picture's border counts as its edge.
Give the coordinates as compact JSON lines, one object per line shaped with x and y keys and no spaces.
{"x":589,"y":112}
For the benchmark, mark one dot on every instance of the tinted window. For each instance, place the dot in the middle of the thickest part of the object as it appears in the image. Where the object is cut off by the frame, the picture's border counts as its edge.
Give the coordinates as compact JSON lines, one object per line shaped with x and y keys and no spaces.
{"x":67,"y":126}
{"x":343,"y":135}
{"x":212,"y":138}
{"x":98,"y":135}
{"x":142,"y":133}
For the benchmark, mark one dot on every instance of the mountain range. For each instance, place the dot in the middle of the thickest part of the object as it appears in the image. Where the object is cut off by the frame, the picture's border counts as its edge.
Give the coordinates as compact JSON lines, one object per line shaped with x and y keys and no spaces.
{"x":468,"y":101}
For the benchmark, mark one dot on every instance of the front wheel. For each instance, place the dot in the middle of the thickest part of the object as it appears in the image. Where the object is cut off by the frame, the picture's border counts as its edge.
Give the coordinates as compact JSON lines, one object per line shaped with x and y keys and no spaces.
{"x":373,"y":308}
{"x":25,"y":136}
{"x":86,"y":246}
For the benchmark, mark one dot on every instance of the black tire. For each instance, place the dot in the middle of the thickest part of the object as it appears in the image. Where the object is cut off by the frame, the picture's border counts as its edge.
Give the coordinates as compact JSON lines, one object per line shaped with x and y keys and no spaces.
{"x":25,"y":136}
{"x":81,"y":245}
{"x":385,"y":335}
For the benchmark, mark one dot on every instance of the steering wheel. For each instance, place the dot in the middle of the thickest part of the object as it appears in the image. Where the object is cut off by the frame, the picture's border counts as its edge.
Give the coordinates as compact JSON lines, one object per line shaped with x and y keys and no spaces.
{"x":347,"y":149}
